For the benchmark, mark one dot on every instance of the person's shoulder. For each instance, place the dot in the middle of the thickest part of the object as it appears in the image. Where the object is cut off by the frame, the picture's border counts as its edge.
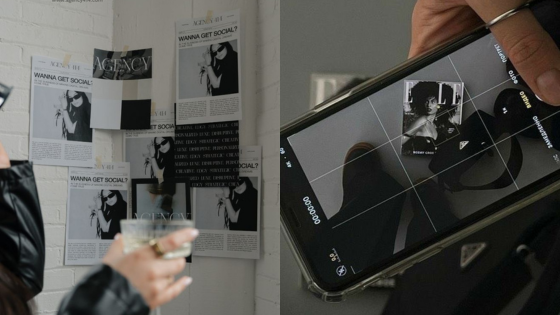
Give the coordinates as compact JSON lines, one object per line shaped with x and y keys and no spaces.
{"x":421,"y":120}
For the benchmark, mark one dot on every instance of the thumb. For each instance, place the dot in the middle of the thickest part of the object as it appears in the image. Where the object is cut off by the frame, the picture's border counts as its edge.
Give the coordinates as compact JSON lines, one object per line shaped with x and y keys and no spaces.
{"x":115,"y":251}
{"x":529,"y":47}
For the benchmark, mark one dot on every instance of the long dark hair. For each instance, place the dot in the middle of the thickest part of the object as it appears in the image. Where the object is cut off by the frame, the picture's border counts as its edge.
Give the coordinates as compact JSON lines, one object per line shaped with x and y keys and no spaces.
{"x":422,"y":91}
{"x":217,"y":63}
{"x":228,"y":48}
{"x":235,"y":203}
{"x":241,"y":181}
{"x":159,"y":155}
{"x":104,"y":210}
{"x":86,"y":108}
{"x":14,"y":294}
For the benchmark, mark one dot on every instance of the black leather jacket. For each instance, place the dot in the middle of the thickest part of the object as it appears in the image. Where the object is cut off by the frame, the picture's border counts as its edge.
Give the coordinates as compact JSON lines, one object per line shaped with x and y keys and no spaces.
{"x":22,"y":251}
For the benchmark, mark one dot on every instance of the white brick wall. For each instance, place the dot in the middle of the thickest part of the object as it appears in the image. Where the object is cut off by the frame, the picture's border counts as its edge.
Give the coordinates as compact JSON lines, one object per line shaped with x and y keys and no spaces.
{"x":41,"y":27}
{"x":267,"y":286}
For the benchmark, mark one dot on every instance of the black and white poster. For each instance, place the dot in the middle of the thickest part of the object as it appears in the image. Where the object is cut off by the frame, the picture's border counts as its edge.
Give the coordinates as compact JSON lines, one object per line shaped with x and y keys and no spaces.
{"x":97,"y":202}
{"x":122,"y":90}
{"x":208,"y":154}
{"x":151,"y":152}
{"x":432,"y":111}
{"x":208,"y":69}
{"x":229,"y":217}
{"x":155,"y":200}
{"x":60,"y":128}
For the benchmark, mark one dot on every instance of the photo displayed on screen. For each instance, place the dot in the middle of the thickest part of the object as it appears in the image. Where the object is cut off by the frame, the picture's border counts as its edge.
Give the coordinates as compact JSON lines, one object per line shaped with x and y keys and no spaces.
{"x":432,"y":113}
{"x":373,"y":196}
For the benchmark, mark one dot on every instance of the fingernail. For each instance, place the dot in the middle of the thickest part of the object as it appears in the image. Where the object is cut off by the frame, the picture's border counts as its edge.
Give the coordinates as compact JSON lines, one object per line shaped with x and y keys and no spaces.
{"x":549,"y":86}
{"x":117,"y":236}
{"x":194,"y":232}
{"x":188,"y":281}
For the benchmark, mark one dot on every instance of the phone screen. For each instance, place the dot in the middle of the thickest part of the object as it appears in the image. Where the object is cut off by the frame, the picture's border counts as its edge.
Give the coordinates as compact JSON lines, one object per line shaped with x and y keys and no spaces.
{"x":425,"y":155}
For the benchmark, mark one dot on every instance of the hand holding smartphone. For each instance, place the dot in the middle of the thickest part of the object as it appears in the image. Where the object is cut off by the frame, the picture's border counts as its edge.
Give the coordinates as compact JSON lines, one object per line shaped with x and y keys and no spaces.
{"x":356,"y":207}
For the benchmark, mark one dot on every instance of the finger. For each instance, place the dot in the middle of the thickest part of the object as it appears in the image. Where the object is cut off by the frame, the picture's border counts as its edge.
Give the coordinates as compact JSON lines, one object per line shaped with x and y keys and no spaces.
{"x":529,"y":47}
{"x":172,"y":291}
{"x":161,"y":268}
{"x":177,"y":239}
{"x":115,"y":251}
{"x":4,"y":159}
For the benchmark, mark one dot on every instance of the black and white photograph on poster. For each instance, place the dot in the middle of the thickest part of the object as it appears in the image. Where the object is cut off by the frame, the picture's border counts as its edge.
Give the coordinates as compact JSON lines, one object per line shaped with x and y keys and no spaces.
{"x":432,"y":113}
{"x":154,"y":200}
{"x":228,"y":218}
{"x":60,"y":113}
{"x":150,"y":152}
{"x":122,"y":89}
{"x":208,"y":69}
{"x":208,"y":154}
{"x":69,"y":112}
{"x":149,"y":157}
{"x":96,"y":213}
{"x":235,"y":207}
{"x":97,"y":202}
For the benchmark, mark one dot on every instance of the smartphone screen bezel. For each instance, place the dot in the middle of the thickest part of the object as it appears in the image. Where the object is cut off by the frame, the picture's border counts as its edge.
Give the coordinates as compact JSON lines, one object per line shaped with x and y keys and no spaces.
{"x":329,"y":108}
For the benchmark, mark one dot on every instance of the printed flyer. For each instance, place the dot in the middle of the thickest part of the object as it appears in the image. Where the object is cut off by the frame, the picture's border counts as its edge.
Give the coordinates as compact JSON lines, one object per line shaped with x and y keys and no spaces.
{"x":123,"y":89}
{"x":60,"y":131}
{"x":208,"y":64}
{"x":229,"y":217}
{"x":97,"y":201}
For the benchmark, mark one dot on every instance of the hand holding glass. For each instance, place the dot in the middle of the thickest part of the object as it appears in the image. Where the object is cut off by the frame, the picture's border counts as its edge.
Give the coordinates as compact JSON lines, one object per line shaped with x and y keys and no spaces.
{"x":137,"y":233}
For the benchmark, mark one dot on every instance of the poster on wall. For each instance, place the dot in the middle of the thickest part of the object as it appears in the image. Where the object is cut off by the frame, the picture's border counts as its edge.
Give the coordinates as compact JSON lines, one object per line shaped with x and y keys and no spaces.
{"x":97,"y":201}
{"x":122,"y":93}
{"x":60,"y":131}
{"x":168,"y":200}
{"x":151,"y":152}
{"x":208,"y":69}
{"x":228,"y":218}
{"x":208,"y":154}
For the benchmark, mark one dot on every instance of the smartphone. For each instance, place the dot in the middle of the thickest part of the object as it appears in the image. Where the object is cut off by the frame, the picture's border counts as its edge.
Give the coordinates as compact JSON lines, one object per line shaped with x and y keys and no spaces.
{"x":382,"y":177}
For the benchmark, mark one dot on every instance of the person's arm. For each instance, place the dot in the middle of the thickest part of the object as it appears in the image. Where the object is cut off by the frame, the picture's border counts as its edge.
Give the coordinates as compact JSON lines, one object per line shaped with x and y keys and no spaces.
{"x":214,"y":80}
{"x":22,"y":236}
{"x":153,"y":161}
{"x":103,"y":291}
{"x":130,"y":284}
{"x":414,"y":129}
{"x":104,"y":224}
{"x":155,"y":167}
{"x":70,"y":126}
{"x":232,"y":214}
